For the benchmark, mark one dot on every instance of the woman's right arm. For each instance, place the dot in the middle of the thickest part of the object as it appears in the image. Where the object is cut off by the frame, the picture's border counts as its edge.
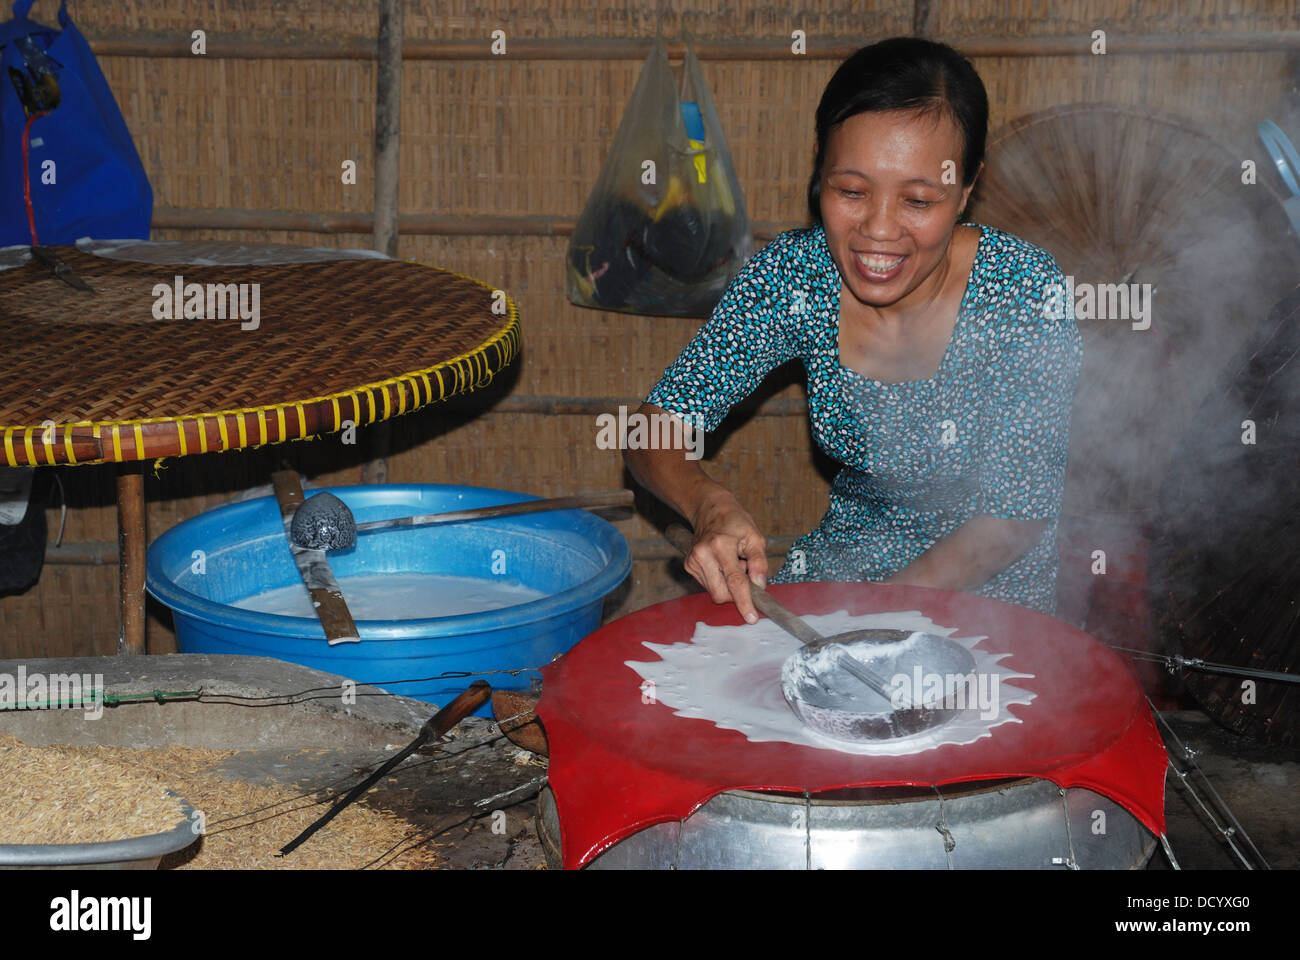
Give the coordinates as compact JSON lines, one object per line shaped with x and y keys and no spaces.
{"x":729,"y":550}
{"x":745,"y":337}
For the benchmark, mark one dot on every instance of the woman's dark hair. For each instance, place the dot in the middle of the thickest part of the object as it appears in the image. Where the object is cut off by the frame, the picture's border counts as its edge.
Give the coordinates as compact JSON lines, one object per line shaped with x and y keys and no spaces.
{"x":904,"y":73}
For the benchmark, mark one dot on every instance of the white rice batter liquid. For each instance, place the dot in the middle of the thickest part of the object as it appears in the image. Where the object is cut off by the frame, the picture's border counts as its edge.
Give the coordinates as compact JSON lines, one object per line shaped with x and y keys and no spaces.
{"x":399,"y":596}
{"x":731,"y":676}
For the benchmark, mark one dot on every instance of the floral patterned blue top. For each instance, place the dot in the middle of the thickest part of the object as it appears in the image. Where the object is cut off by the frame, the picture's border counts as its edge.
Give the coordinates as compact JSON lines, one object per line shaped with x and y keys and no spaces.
{"x":988,"y":434}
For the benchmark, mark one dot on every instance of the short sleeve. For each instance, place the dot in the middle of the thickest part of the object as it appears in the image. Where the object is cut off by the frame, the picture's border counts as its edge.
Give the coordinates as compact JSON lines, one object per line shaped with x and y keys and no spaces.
{"x":1032,"y":374}
{"x":745,"y":338}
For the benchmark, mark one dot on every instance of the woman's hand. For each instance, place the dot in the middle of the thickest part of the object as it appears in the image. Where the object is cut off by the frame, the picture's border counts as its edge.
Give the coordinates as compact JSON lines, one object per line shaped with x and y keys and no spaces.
{"x":729,"y":552}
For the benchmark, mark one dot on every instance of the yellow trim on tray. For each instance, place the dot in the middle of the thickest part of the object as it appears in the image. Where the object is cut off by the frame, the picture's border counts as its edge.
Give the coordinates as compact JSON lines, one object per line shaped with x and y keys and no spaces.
{"x":466,"y":370}
{"x":48,"y":445}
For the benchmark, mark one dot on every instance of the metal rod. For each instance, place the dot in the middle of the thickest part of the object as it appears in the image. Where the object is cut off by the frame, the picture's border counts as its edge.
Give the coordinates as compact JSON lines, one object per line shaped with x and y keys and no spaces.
{"x":104,"y":552}
{"x":263,"y":46}
{"x":1205,"y":666}
{"x":534,"y":784}
{"x":1169,"y":851}
{"x":1221,"y":804}
{"x":603,"y":500}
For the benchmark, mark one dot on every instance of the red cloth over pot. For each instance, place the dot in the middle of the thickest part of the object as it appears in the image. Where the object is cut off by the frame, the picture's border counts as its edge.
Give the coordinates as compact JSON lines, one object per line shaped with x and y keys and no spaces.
{"x":619,"y":765}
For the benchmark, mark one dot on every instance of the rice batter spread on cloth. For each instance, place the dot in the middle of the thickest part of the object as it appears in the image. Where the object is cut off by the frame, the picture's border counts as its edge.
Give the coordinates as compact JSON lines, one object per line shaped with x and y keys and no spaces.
{"x":988,"y":434}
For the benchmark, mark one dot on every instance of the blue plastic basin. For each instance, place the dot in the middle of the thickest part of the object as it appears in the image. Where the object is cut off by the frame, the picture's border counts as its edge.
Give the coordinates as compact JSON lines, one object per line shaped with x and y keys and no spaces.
{"x":203,"y":565}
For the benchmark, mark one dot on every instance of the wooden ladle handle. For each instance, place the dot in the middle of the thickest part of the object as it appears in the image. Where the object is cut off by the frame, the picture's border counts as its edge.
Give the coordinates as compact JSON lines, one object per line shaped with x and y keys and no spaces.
{"x":684,"y":541}
{"x":453,"y":713}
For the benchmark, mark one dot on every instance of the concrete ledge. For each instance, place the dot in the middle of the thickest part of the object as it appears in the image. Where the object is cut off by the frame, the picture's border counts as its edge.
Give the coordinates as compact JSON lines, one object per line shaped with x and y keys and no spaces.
{"x":375,"y":721}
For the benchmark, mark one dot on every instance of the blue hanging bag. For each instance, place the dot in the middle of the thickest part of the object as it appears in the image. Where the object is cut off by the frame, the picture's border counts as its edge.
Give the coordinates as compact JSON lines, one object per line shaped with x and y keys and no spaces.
{"x":82,"y":176}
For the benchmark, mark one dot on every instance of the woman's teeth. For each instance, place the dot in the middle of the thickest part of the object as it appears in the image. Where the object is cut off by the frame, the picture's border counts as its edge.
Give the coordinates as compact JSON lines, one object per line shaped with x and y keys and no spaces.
{"x":879,"y":264}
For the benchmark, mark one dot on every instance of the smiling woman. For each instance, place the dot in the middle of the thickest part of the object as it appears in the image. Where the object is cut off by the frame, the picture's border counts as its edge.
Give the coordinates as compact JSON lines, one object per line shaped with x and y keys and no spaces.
{"x":935,"y":374}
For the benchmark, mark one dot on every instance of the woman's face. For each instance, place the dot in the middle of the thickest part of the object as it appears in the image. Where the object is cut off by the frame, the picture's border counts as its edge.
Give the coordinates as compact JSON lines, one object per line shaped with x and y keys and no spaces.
{"x":886,"y":208}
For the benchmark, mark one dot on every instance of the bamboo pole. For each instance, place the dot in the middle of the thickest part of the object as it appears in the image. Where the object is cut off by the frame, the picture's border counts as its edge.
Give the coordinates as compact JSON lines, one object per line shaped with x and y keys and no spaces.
{"x":925,"y":18}
{"x":658,"y":548}
{"x":90,"y":553}
{"x":265,"y":47}
{"x":388,"y":116}
{"x":575,"y":405}
{"x":426,"y":225}
{"x":388,"y":125}
{"x":131,"y":540}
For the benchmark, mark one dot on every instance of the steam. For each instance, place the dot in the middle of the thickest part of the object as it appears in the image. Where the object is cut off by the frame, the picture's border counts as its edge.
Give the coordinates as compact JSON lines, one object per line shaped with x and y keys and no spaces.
{"x":1140,"y":390}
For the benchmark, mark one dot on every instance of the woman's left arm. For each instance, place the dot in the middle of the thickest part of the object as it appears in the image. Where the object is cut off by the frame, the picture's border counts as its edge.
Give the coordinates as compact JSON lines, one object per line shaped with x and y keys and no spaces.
{"x":972,"y":554}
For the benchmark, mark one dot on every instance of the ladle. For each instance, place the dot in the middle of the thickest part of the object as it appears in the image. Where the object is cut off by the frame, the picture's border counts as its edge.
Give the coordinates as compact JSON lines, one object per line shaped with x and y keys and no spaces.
{"x":324,"y":522}
{"x":681,"y":538}
{"x":904,"y":719}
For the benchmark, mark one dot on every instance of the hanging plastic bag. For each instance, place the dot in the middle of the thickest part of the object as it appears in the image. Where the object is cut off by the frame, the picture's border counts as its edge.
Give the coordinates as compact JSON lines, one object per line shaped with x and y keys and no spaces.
{"x":664,"y":230}
{"x":68,"y":168}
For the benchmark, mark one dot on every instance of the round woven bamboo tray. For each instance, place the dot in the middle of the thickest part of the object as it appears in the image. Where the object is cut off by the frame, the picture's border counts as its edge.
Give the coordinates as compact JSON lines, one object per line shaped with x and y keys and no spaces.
{"x":105,"y":376}
{"x":95,"y":377}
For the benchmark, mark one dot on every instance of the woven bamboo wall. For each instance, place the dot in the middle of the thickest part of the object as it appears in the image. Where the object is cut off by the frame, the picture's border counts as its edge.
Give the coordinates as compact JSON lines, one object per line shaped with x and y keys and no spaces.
{"x":508,"y":136}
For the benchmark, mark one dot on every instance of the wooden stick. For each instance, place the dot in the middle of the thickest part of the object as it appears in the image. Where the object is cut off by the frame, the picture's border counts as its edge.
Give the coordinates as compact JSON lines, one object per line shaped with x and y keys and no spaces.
{"x":682,"y":539}
{"x":132,"y":538}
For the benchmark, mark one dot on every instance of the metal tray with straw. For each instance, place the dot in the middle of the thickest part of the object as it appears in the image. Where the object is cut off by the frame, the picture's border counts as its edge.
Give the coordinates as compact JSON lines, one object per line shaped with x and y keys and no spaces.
{"x":133,"y":853}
